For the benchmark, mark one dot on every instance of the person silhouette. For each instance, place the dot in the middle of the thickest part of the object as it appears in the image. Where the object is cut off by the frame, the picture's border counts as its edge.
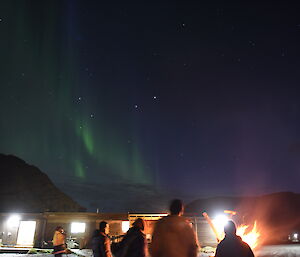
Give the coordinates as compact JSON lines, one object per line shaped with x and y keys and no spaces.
{"x":134,"y":243}
{"x":100,"y":241}
{"x":233,"y":245}
{"x":173,"y":235}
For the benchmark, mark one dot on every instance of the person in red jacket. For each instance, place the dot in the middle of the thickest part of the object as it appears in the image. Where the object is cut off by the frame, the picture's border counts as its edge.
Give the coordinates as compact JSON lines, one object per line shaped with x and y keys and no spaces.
{"x":233,"y":245}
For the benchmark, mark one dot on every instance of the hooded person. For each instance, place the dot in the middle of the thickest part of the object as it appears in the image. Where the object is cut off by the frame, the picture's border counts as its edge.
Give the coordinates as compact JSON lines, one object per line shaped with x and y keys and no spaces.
{"x":233,"y":245}
{"x":134,"y":243}
{"x":173,"y":235}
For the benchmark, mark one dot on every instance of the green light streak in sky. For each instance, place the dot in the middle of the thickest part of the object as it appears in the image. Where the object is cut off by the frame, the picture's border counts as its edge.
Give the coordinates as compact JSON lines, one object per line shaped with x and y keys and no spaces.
{"x":85,"y":134}
{"x":88,"y":140}
{"x":79,"y":170}
{"x":113,"y":155}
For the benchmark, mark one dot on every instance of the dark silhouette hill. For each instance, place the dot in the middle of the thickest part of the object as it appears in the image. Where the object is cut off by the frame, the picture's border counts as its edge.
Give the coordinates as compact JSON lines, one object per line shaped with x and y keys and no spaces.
{"x":24,"y":188}
{"x":277,"y":214}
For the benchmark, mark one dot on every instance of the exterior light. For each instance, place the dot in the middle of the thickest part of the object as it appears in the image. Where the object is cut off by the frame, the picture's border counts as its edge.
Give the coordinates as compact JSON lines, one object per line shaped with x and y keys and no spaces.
{"x":219,"y":222}
{"x":77,"y":227}
{"x":125,"y":226}
{"x":295,"y":236}
{"x":13,"y":221}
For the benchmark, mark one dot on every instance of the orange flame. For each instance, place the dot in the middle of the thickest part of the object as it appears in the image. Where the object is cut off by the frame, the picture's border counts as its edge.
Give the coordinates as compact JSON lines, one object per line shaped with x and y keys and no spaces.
{"x":251,"y":237}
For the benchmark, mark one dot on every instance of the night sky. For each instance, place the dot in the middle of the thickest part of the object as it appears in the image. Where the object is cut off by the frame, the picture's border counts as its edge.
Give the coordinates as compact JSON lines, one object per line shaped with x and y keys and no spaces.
{"x":180,"y":97}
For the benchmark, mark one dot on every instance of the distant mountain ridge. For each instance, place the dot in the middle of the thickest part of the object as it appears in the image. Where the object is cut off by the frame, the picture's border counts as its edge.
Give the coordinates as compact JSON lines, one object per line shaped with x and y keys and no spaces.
{"x":24,"y":188}
{"x":117,"y":197}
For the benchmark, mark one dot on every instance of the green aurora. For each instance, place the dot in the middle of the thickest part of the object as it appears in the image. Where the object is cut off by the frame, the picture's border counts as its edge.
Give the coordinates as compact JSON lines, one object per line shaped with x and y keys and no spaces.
{"x":48,"y":117}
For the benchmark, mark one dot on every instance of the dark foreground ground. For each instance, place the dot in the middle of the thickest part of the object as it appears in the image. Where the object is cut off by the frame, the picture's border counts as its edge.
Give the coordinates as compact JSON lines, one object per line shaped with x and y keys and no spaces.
{"x":266,"y":251}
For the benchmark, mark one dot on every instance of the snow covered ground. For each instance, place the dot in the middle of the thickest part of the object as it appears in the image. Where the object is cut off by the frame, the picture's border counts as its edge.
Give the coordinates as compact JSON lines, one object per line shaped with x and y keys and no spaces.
{"x":279,"y":251}
{"x":274,"y":251}
{"x":266,"y":251}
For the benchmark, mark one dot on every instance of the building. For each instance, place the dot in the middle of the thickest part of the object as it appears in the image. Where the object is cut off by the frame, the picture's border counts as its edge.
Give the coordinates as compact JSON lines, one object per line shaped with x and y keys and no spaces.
{"x":205,"y":234}
{"x":36,"y":229}
{"x":21,"y":230}
{"x":149,"y":218}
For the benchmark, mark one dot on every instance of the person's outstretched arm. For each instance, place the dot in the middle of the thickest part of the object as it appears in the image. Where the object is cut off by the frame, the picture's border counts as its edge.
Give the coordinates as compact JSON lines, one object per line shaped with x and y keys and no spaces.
{"x":107,"y":250}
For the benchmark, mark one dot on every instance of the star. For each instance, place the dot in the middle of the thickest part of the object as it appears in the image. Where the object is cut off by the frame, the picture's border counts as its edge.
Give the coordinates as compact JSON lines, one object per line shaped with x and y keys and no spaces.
{"x":79,"y":98}
{"x":155,"y":97}
{"x":92,"y":115}
{"x":251,"y":43}
{"x":135,"y":106}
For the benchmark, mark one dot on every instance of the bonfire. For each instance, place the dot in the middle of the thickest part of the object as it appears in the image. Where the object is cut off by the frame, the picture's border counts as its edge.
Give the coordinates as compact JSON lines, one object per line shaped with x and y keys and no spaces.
{"x":250,"y":236}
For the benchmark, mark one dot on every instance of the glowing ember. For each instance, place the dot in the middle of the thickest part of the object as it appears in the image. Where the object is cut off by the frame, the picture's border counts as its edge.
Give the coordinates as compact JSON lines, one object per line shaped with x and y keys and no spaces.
{"x":251,"y":237}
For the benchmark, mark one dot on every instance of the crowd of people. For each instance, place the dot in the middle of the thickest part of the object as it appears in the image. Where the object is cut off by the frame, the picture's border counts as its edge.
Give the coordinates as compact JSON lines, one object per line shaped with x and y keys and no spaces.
{"x":173,"y":236}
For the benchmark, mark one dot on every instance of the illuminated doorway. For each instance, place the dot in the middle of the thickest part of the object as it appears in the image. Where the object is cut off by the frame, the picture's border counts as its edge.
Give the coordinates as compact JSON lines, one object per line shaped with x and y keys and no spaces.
{"x":26,"y":233}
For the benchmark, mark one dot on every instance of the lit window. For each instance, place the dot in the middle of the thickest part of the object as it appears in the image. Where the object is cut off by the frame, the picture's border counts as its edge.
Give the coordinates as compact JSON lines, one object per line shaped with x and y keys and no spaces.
{"x":26,"y":233}
{"x":77,"y":227}
{"x":125,"y":226}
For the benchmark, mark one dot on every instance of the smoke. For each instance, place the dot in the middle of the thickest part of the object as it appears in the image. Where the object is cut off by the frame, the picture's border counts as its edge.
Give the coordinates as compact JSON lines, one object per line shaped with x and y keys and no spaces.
{"x":277,"y":215}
